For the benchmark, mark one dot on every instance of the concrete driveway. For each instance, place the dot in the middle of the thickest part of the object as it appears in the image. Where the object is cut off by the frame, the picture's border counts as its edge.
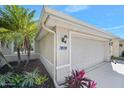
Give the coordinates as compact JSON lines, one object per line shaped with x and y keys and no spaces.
{"x":107,"y":75}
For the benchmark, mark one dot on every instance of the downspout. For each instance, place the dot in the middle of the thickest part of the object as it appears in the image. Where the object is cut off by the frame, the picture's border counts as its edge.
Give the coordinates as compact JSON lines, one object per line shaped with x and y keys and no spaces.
{"x":53,"y":32}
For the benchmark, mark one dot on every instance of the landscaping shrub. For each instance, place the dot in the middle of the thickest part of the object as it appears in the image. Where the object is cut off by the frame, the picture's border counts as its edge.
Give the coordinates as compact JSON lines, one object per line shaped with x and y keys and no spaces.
{"x":16,"y":80}
{"x":40,"y":80}
{"x":117,"y":58}
{"x":78,"y":80}
{"x":4,"y":79}
{"x":27,"y":79}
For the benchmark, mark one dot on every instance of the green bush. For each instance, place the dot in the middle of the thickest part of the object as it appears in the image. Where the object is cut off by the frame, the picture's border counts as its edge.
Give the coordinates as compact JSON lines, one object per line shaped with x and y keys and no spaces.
{"x":40,"y":80}
{"x":117,"y":58}
{"x":27,"y":79}
{"x":16,"y":80}
{"x":4,"y":79}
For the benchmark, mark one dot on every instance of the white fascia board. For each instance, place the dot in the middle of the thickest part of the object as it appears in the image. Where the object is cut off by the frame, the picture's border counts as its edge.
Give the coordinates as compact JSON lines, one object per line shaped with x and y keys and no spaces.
{"x":43,"y":17}
{"x":54,"y":21}
{"x":75,"y":21}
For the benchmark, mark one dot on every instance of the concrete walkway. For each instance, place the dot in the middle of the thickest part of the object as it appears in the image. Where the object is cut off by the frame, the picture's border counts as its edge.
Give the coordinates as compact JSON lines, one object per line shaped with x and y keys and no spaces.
{"x":108,"y":75}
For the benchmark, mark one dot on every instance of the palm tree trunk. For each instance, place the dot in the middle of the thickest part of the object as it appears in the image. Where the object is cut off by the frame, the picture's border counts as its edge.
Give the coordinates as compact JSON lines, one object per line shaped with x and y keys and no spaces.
{"x":28,"y":54}
{"x":28,"y":46}
{"x":18,"y":53}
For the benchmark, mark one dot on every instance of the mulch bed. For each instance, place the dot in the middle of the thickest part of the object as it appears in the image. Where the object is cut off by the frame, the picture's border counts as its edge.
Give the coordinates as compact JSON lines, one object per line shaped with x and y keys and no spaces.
{"x":31,"y":66}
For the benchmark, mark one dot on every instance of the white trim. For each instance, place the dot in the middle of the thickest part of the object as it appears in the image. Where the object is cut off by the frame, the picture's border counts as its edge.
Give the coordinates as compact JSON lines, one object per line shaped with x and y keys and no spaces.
{"x":48,"y":13}
{"x":77,"y":34}
{"x":55,"y":52}
{"x":70,"y":51}
{"x":63,"y":66}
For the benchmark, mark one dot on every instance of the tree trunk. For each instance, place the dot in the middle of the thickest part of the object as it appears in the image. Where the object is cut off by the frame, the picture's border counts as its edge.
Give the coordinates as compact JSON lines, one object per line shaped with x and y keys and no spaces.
{"x":28,"y":47}
{"x":28,"y":54}
{"x":18,"y":53}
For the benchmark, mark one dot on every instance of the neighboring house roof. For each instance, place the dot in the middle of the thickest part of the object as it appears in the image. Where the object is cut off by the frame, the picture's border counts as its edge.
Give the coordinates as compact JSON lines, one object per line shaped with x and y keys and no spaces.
{"x":53,"y":18}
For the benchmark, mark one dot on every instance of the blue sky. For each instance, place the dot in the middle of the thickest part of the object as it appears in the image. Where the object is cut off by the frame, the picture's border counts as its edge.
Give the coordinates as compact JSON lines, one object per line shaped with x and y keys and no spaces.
{"x":107,"y":17}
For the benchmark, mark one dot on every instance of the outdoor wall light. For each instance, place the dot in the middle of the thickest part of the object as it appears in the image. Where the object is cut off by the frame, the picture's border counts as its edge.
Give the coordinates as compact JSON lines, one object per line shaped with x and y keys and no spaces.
{"x":111,"y":43}
{"x":120,"y":45}
{"x":64,"y":39}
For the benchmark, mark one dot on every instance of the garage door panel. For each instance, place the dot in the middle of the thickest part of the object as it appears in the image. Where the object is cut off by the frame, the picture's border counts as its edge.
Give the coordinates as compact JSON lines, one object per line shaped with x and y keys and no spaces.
{"x":86,"y":52}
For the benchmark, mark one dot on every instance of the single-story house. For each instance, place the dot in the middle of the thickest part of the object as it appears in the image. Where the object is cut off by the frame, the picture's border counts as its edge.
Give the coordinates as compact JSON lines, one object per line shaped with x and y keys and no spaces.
{"x":65,"y":44}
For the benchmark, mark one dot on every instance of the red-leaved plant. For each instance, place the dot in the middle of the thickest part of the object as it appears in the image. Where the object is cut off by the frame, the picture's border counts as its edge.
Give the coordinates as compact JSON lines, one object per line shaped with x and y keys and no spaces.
{"x":78,"y":80}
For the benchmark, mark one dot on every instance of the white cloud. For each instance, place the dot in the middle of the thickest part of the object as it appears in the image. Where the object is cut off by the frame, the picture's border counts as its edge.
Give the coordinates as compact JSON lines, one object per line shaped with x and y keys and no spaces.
{"x":115,"y":28}
{"x":76,"y":8}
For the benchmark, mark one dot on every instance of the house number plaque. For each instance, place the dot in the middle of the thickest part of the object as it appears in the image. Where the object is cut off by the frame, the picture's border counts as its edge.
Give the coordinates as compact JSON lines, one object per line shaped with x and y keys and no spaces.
{"x":63,"y":48}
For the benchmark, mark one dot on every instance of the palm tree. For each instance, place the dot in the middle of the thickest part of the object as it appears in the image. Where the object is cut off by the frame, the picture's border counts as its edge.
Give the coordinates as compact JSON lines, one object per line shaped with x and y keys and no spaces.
{"x":18,"y":22}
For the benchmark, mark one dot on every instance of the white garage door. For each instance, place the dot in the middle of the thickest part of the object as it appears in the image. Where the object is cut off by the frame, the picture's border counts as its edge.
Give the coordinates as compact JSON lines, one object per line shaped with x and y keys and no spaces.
{"x":87,"y":52}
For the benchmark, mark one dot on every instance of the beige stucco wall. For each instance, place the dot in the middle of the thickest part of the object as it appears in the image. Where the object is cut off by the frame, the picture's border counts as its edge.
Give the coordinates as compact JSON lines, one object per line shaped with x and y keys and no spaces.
{"x":46,"y":47}
{"x":115,"y":48}
{"x":46,"y":51}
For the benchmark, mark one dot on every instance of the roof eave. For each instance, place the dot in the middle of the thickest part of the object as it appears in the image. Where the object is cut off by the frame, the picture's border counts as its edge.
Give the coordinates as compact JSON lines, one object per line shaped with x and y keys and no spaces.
{"x":69,"y":18}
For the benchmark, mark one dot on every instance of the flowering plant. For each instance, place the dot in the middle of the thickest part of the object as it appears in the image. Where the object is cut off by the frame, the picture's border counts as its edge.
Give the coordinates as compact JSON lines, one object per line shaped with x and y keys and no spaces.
{"x":78,"y":80}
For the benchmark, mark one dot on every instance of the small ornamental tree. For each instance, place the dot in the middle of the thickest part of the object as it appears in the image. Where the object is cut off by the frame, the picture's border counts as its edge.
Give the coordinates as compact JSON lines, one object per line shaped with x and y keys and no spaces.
{"x":19,"y":23}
